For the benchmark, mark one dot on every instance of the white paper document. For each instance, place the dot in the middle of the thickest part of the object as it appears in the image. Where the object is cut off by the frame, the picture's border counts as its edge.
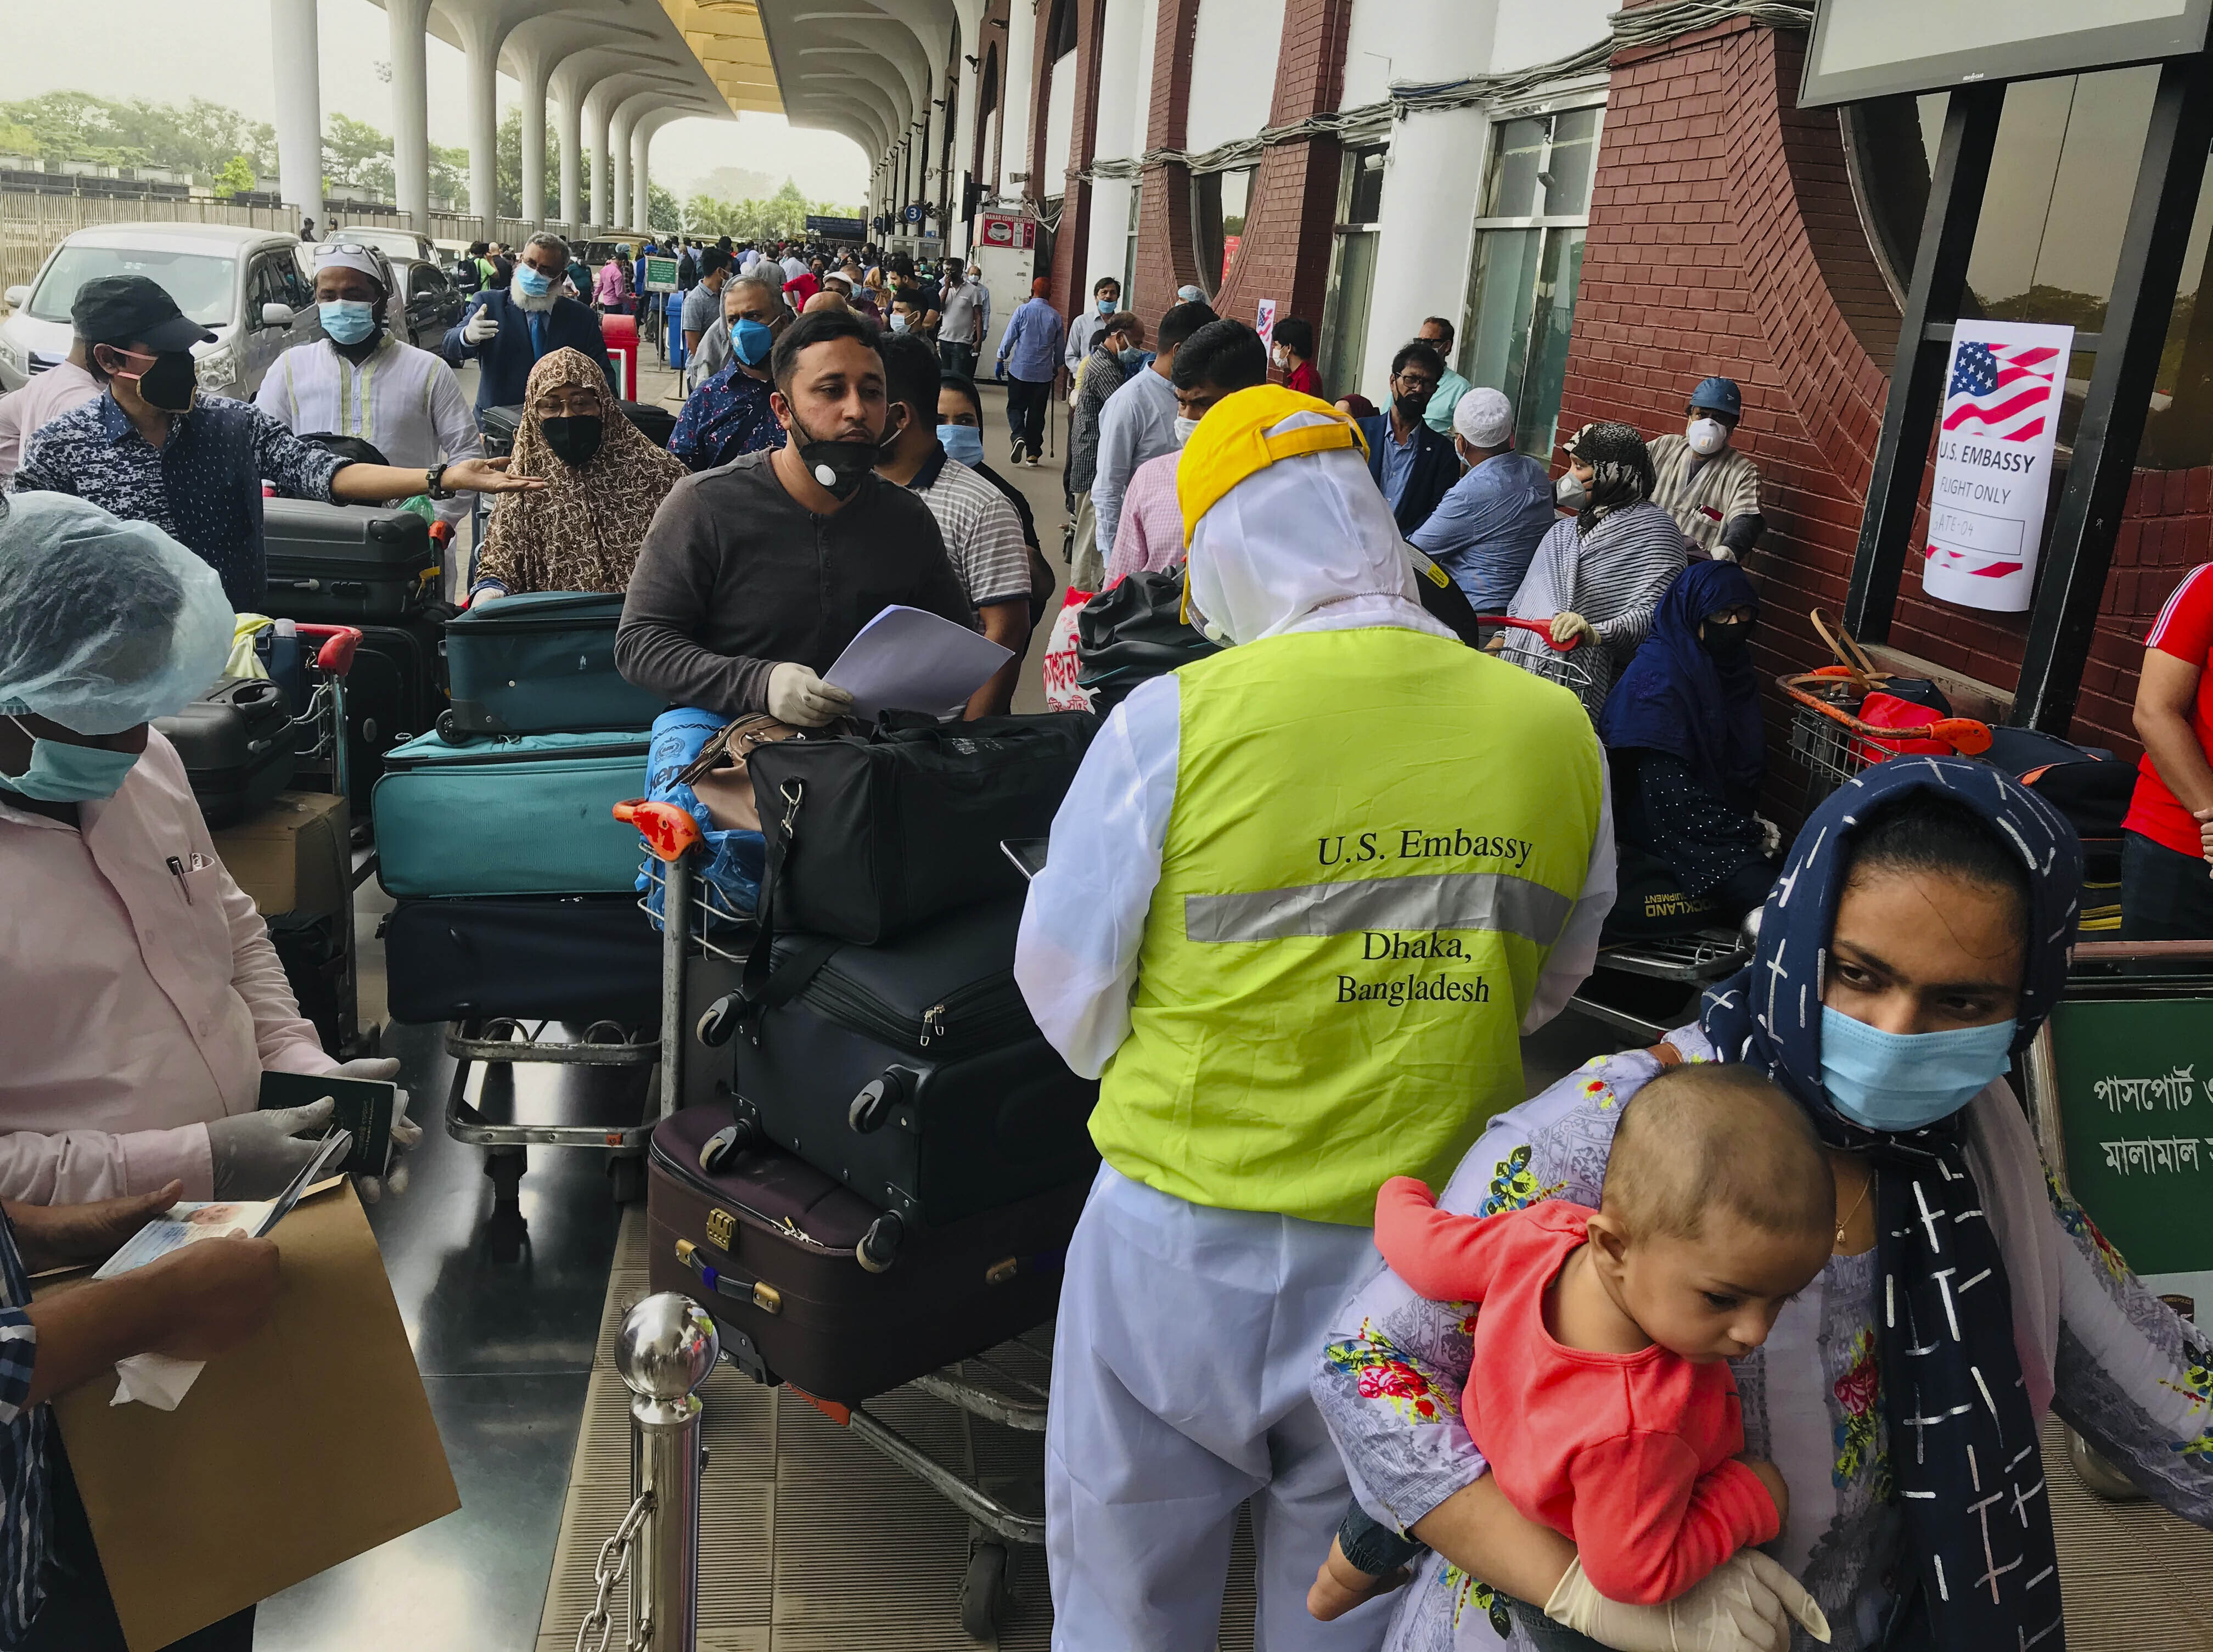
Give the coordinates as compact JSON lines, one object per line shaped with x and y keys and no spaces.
{"x":906,"y":659}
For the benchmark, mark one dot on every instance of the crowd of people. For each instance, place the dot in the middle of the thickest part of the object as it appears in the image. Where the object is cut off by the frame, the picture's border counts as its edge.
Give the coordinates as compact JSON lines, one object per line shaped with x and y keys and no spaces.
{"x":1305,"y":896}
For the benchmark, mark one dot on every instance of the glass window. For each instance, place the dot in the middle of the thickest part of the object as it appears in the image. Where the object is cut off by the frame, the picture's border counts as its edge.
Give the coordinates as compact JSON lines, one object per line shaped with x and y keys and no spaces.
{"x":2047,"y":243}
{"x":1529,"y":262}
{"x":1218,"y":201}
{"x":1352,"y":270}
{"x":1130,"y":248}
{"x":202,"y":286}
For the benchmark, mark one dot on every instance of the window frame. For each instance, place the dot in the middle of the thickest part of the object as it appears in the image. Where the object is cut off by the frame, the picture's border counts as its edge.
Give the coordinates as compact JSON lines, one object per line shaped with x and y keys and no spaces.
{"x":1340,"y":376}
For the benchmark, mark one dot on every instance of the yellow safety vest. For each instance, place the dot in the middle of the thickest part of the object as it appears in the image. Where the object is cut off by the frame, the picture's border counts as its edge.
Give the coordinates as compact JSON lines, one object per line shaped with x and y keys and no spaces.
{"x":1378,"y":836}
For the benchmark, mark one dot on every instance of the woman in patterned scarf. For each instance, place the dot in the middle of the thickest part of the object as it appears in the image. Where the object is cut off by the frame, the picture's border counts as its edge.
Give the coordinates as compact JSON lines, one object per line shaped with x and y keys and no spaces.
{"x":604,"y":480}
{"x":1599,"y":577}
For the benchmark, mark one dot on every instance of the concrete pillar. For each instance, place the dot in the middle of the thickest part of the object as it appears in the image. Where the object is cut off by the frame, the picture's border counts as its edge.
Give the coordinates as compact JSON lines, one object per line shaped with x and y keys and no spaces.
{"x":409,"y":22}
{"x":618,"y":129}
{"x":569,"y":90}
{"x":298,"y":71}
{"x":966,"y":161}
{"x":640,"y":149}
{"x":1016,"y":77}
{"x":481,"y":38}
{"x":933,"y":143}
{"x":599,"y":111}
{"x":537,"y":68}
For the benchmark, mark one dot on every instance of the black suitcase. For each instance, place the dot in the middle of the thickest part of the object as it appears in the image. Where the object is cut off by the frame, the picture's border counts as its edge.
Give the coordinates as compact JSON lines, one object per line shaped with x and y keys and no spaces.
{"x":237,"y":745}
{"x":656,"y":423}
{"x":393,"y":693}
{"x":573,"y":958}
{"x":771,"y":1247}
{"x":342,"y":565}
{"x":312,"y":950}
{"x":912,"y":1071}
{"x":499,"y":426}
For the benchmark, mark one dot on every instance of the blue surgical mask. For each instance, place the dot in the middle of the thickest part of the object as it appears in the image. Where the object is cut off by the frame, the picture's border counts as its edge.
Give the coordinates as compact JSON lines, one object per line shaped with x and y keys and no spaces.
{"x":532,"y":284}
{"x":962,"y":442}
{"x":62,"y":773}
{"x":751,"y":341}
{"x":348,"y":321}
{"x":1908,"y":1080}
{"x":1106,"y":307}
{"x":1133,"y":358}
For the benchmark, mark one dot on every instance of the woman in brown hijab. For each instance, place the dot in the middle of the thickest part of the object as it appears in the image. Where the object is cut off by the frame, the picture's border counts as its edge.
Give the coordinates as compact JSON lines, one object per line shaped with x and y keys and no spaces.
{"x":603,"y":480}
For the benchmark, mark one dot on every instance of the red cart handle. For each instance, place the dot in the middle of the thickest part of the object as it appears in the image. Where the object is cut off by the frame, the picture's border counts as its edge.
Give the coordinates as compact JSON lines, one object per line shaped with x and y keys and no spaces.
{"x":338,"y":644}
{"x":668,"y":829}
{"x":1542,"y":627}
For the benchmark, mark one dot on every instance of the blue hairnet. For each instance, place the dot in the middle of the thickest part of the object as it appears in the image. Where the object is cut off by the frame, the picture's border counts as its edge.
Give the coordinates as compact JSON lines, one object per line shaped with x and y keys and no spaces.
{"x":104,"y":624}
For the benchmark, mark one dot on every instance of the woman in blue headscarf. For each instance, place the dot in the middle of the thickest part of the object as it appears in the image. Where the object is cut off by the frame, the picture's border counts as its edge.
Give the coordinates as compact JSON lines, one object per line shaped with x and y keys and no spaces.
{"x":1916,"y":941}
{"x":1682,"y":733}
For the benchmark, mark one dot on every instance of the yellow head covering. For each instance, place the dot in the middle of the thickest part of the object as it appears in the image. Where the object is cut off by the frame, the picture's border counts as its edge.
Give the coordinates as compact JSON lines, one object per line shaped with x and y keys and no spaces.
{"x":1233,"y":441}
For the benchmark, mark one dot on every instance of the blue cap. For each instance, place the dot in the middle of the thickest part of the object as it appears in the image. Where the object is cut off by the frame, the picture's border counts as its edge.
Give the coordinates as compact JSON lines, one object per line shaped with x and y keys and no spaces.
{"x":1719,"y":395}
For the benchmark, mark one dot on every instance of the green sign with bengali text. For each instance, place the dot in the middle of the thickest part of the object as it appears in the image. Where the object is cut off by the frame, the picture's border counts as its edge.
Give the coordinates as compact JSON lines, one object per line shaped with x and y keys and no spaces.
{"x":660,"y":274}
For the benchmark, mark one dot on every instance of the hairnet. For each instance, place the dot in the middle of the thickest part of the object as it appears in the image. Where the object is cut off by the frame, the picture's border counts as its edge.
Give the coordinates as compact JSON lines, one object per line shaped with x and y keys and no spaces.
{"x":1302,"y":534}
{"x":104,"y":624}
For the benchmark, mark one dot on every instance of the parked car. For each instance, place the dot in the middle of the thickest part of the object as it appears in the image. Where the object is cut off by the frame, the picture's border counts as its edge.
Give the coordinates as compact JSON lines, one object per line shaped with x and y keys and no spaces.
{"x":394,"y":244}
{"x":434,"y":303}
{"x":245,"y":286}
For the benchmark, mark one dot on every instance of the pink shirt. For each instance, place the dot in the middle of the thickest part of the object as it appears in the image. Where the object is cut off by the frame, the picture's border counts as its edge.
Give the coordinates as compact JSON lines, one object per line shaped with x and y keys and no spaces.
{"x":49,"y":395}
{"x":1149,"y":536}
{"x":613,"y":285}
{"x":139,"y":1003}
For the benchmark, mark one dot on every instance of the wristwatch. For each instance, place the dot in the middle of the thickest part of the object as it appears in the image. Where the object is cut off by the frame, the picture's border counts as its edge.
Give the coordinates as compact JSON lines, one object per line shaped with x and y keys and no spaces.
{"x":433,"y":483}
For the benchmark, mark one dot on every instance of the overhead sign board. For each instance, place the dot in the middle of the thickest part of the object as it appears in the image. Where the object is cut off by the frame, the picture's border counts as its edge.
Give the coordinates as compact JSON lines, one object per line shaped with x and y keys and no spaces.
{"x":836,"y":228}
{"x":914,"y":214}
{"x":1003,"y":229}
{"x":1863,"y":49}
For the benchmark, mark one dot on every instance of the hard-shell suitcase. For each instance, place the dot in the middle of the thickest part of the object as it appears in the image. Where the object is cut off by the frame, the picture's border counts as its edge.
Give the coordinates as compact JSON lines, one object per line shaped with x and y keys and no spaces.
{"x":769,"y":1246}
{"x":313,"y":949}
{"x":393,"y":694}
{"x":572,"y":958}
{"x":237,"y":744}
{"x":541,"y":662}
{"x":341,"y":564}
{"x":912,"y":1070}
{"x":509,"y":815}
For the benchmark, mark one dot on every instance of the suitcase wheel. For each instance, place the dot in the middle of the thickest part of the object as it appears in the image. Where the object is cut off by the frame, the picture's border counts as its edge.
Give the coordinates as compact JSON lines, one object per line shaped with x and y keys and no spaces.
{"x":731,"y":1138}
{"x":878,"y":1246}
{"x":717,"y":1021}
{"x":983,"y":1592}
{"x":878,"y":1097}
{"x":449,"y":727}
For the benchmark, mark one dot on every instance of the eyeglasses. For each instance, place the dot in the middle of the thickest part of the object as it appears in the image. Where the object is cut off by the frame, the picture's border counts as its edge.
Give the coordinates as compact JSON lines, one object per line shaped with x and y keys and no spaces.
{"x":325,"y":249}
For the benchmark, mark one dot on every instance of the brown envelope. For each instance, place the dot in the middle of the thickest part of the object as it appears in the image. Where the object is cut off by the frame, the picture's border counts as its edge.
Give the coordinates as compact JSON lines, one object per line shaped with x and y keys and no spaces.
{"x":303,"y":1446}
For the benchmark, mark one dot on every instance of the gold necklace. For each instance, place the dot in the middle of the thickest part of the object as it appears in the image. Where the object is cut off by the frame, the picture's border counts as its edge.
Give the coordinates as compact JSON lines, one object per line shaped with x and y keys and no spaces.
{"x":1845,"y":1221}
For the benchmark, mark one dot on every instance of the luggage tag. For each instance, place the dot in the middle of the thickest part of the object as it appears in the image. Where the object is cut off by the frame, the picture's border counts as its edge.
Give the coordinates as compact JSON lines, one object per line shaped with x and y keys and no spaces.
{"x":364,"y":1110}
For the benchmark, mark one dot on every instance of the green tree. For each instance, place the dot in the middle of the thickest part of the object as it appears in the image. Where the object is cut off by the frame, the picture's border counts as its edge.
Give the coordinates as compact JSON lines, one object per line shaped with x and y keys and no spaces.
{"x":663,"y":216}
{"x":199,"y":137}
{"x":449,"y":175}
{"x":235,"y":178}
{"x":784,"y":214}
{"x":357,"y":157}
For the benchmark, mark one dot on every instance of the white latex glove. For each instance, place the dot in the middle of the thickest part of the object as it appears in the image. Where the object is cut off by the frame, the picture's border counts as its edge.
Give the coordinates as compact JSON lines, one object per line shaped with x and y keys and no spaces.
{"x":1771,"y":835}
{"x":404,"y":1133}
{"x":1746,"y":1604}
{"x":798,"y":697}
{"x":257,"y":1154}
{"x":1565,"y":625}
{"x":482,"y":327}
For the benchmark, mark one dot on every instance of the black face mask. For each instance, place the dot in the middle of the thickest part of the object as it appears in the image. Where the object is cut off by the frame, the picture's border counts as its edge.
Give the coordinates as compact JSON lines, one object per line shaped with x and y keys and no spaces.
{"x":839,"y":467}
{"x":1725,"y":640}
{"x":169,"y":384}
{"x":574,"y":440}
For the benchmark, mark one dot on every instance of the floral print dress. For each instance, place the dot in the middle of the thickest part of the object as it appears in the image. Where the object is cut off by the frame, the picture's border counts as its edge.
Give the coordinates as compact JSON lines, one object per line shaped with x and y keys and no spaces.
{"x":2130,"y":1375}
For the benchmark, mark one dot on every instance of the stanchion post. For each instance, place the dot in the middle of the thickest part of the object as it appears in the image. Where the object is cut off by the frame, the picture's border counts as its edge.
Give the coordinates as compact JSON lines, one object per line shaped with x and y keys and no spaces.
{"x":668,"y":1348}
{"x":675,"y":941}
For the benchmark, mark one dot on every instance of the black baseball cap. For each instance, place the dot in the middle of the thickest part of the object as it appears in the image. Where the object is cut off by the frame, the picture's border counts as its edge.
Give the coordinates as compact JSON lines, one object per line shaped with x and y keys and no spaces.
{"x":122,"y":309}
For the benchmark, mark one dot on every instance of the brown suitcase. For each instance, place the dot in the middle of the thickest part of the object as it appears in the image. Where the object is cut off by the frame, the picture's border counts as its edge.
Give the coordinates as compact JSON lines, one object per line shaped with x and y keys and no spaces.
{"x":769,"y":1245}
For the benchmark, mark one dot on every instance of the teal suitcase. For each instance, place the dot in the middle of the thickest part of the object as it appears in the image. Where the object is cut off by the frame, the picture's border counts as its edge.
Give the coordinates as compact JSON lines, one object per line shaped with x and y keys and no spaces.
{"x":514,"y":814}
{"x":540,"y":663}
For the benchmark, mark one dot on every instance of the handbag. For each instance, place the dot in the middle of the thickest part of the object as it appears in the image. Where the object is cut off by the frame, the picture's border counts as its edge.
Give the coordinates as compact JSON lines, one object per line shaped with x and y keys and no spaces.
{"x":1133,"y":632}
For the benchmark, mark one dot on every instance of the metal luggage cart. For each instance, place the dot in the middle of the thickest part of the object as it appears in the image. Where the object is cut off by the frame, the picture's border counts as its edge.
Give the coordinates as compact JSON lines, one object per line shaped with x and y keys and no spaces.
{"x":321,"y":761}
{"x":1834,"y":746}
{"x":1688,"y":960}
{"x":1561,"y":665}
{"x":1007,"y":1384}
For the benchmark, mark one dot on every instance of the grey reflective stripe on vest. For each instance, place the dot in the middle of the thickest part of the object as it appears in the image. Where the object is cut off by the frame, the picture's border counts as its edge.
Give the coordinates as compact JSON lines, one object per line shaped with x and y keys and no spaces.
{"x":1436,"y":900}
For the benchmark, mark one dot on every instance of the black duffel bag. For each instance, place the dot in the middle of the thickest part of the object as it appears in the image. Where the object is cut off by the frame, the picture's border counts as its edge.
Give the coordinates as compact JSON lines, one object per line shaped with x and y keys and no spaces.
{"x":871,"y":834}
{"x":1133,"y":632}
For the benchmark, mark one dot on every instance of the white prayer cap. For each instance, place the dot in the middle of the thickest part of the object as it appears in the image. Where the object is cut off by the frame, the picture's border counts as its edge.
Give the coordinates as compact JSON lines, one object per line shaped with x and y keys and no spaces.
{"x":1484,"y":418}
{"x":349,"y":255}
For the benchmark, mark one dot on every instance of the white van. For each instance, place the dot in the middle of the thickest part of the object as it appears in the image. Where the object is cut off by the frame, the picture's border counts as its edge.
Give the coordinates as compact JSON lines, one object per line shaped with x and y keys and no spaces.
{"x":245,"y":286}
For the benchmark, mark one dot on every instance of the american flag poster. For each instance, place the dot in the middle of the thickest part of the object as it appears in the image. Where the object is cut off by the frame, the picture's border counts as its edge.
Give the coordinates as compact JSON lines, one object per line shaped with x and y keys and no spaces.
{"x":2002,"y":393}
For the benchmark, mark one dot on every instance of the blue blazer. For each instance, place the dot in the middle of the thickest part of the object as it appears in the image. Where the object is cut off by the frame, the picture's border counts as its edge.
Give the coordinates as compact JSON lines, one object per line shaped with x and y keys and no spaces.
{"x":1436,"y":468}
{"x":505,"y":360}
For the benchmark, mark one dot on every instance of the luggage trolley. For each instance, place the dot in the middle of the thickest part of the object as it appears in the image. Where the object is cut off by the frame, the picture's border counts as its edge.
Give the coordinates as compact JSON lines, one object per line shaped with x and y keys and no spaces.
{"x":1006,"y":1386}
{"x":1562,"y":667}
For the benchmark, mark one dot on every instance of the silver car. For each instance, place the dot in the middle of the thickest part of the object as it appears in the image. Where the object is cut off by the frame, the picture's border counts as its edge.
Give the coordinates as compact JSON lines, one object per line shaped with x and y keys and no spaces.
{"x":245,"y":286}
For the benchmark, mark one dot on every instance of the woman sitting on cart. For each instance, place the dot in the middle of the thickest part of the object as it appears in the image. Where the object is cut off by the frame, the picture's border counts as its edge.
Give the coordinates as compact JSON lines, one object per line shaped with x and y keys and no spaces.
{"x":1918,"y":940}
{"x":1598,"y":576}
{"x":1682,"y":735}
{"x":604,"y":480}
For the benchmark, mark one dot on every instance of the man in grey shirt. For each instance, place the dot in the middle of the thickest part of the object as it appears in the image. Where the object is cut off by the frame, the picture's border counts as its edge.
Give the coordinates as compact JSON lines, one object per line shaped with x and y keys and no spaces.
{"x":754,"y":576}
{"x":960,"y":322}
{"x":703,"y":305}
{"x":1138,"y":422}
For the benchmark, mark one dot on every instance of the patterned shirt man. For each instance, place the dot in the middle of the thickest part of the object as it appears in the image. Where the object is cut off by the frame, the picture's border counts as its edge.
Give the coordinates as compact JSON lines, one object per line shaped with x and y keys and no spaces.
{"x":1705,"y":496}
{"x":726,"y":415}
{"x":201,"y":486}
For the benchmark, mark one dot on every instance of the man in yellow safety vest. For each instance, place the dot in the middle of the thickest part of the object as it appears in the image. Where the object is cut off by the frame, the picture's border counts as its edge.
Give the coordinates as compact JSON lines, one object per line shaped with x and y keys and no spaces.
{"x":1301,"y":901}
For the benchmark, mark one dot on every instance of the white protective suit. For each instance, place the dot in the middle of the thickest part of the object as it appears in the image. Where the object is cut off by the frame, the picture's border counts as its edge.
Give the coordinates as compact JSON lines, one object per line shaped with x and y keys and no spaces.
{"x":1187,"y":1334}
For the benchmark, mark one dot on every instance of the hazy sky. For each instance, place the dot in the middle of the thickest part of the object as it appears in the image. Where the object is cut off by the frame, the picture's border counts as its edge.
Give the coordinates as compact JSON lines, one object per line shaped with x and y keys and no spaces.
{"x":174,"y":50}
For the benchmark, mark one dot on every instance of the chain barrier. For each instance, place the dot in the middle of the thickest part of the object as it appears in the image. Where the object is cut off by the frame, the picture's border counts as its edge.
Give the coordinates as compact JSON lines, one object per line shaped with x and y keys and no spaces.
{"x":611,"y":1567}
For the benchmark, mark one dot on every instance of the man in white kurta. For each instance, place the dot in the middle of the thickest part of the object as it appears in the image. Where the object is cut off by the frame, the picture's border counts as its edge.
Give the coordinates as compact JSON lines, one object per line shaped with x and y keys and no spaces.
{"x":404,"y":402}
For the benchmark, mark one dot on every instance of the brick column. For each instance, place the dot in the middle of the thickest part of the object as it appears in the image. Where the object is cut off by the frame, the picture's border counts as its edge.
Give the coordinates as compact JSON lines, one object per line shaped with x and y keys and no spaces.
{"x":1166,"y":259}
{"x":1291,"y":218}
{"x":1074,"y":234}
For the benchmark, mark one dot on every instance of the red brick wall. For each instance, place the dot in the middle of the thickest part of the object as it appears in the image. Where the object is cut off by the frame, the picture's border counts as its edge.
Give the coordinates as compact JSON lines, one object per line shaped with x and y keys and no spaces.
{"x":1292,"y":210}
{"x":1073,"y":235}
{"x":1166,"y":259}
{"x":1724,"y":238}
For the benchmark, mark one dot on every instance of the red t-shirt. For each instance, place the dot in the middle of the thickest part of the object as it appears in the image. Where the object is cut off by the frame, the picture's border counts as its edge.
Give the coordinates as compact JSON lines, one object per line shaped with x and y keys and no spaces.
{"x":1304,"y":379}
{"x":801,"y":288}
{"x":2184,"y":629}
{"x":1631,"y":1455}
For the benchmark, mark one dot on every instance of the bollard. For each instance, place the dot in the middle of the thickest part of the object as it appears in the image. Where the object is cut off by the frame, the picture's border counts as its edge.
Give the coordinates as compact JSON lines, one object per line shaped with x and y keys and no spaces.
{"x":668,"y":1348}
